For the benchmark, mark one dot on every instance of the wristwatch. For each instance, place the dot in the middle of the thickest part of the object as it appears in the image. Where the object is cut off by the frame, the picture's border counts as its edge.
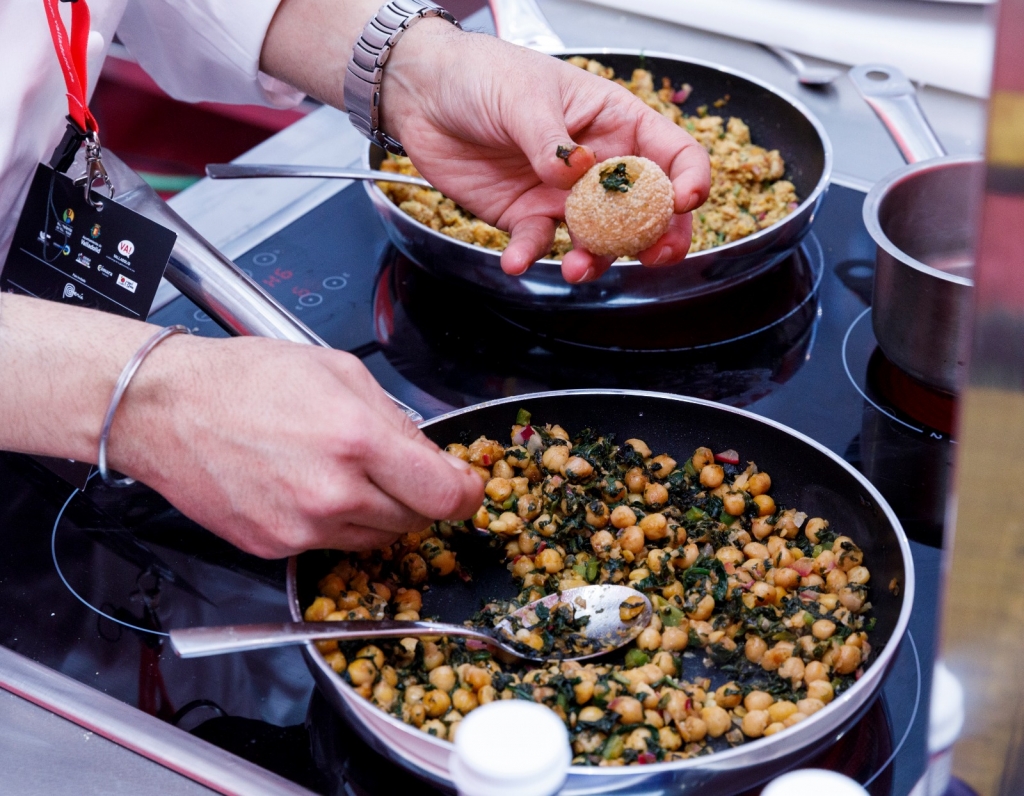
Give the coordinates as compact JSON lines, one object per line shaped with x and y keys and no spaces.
{"x":366,"y":67}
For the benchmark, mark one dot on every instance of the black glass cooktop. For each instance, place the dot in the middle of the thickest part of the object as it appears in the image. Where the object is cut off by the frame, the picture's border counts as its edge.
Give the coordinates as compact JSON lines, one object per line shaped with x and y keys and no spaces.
{"x":91,"y":581}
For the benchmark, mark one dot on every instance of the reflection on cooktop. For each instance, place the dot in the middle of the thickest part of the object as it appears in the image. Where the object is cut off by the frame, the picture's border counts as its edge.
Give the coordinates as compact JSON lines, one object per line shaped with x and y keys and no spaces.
{"x":452,"y":344}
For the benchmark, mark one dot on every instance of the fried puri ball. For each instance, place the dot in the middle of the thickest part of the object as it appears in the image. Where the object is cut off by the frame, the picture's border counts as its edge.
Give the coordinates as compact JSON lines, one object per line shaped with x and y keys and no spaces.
{"x":620,"y":207}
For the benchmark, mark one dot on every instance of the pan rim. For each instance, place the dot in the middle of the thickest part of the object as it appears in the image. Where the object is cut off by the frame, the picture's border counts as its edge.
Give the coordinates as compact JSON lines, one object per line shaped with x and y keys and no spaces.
{"x":869,"y":683}
{"x":884,"y":186}
{"x":691,"y":259}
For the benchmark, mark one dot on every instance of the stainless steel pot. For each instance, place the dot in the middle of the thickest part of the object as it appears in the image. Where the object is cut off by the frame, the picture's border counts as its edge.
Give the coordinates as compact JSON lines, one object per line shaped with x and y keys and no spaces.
{"x":922,"y":218}
{"x":776,"y":120}
{"x":804,"y":474}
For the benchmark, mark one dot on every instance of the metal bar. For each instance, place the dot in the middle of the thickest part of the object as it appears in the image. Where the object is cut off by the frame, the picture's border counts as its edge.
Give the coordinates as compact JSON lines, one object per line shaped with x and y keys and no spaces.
{"x":143,"y":734}
{"x":984,"y":606}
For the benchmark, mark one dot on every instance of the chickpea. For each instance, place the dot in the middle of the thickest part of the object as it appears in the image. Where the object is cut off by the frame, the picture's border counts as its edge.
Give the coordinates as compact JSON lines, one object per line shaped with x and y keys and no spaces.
{"x":813,"y":527}
{"x":432,"y":656}
{"x":362,"y":671}
{"x":693,"y":729}
{"x":773,"y":728}
{"x":464,"y":700}
{"x":601,"y":543}
{"x":690,"y":555}
{"x":701,"y":457}
{"x":384,"y":695}
{"x":331,"y":586}
{"x":517,"y":456}
{"x":437,"y":703}
{"x":814,"y":671}
{"x":674,"y":639}
{"x":728,"y":695}
{"x":550,"y":560}
{"x":729,"y":555}
{"x":336,"y":660}
{"x":632,"y":539}
{"x":835,"y":581}
{"x":583,"y":691}
{"x":776,"y":656}
{"x":759,"y":484}
{"x":809,"y":706}
{"x":858,"y":575}
{"x":442,"y":560}
{"x":458,"y":451}
{"x":373,"y":653}
{"x":576,"y":468}
{"x":664,"y":661}
{"x":755,"y":550}
{"x":792,"y":669}
{"x":487,"y":694}
{"x":528,"y":507}
{"x":668,"y":738}
{"x":758,"y":700}
{"x":657,"y":561}
{"x":485,"y":452}
{"x":442,"y":678}
{"x":755,"y":723}
{"x":554,"y":458}
{"x":477,"y":677}
{"x":545,"y":525}
{"x":522,"y":566}
{"x":520,"y":485}
{"x":482,"y":519}
{"x":763,"y":593}
{"x":712,"y":475}
{"x":636,"y":480}
{"x":654,"y":527}
{"x":649,"y":639}
{"x":662,"y":466}
{"x":640,"y":447}
{"x":655,"y":495}
{"x":760,"y":528}
{"x":320,"y":608}
{"x":414,"y":569}
{"x":796,"y":718}
{"x":755,"y":649}
{"x":435,"y":728}
{"x":704,"y":608}
{"x":591,"y":714}
{"x":502,"y":469}
{"x":417,"y":714}
{"x":846,"y":660}
{"x":765,"y":505}
{"x":734,"y":504}
{"x":717,"y":721}
{"x":630,"y":710}
{"x":597,"y":514}
{"x":623,"y":517}
{"x":823,"y":629}
{"x":821,"y":689}
{"x":852,"y":599}
{"x":527,"y":544}
{"x":786,"y":578}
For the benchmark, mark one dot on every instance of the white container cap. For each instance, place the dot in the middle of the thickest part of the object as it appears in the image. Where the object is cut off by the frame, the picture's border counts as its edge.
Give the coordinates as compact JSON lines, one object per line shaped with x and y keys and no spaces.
{"x":510,"y":748}
{"x":946,"y":717}
{"x":813,"y":782}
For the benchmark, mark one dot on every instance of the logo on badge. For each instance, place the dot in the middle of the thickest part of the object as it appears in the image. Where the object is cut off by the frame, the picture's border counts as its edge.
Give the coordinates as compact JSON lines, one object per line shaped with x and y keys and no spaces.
{"x":66,"y":250}
{"x":71,"y":292}
{"x":104,"y":271}
{"x":126,"y":247}
{"x":126,"y":283}
{"x":94,"y":231}
{"x":69,"y":216}
{"x":83,"y":260}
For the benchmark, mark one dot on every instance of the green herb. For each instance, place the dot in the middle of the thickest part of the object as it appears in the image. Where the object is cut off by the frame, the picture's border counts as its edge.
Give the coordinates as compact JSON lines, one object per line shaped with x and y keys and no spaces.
{"x":593,"y":569}
{"x":616,"y":179}
{"x":522,"y":418}
{"x":636,"y":657}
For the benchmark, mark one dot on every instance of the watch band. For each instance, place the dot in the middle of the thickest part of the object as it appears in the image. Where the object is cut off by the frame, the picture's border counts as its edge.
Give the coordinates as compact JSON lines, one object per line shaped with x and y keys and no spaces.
{"x":366,"y":67}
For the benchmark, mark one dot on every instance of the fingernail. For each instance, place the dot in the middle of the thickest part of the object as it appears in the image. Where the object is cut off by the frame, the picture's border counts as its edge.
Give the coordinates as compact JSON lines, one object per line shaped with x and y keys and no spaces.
{"x":455,"y":461}
{"x":587,"y":276}
{"x":663,"y":256}
{"x":693,"y":202}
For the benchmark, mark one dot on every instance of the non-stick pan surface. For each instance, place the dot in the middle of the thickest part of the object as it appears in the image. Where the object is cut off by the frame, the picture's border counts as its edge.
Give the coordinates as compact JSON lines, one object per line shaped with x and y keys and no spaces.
{"x":776,"y":121}
{"x":804,"y":475}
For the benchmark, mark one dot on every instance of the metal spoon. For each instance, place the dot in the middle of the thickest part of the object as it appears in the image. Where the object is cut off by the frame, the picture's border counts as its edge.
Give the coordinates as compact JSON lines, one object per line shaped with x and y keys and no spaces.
{"x":608,"y":628}
{"x":237,"y":171}
{"x":806,"y":75}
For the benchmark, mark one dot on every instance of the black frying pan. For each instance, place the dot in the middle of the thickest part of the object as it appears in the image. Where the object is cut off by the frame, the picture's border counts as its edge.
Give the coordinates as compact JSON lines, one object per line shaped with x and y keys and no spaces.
{"x":804,"y":475}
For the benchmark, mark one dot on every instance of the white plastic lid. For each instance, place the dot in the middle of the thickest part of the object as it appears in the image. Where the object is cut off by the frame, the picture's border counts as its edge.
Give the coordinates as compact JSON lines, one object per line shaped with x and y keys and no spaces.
{"x":510,"y":748}
{"x":946,"y":718}
{"x":813,"y":782}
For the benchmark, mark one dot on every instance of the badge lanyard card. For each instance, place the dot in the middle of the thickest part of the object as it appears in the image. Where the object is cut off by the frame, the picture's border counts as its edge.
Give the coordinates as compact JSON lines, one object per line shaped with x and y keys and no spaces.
{"x":71,"y":244}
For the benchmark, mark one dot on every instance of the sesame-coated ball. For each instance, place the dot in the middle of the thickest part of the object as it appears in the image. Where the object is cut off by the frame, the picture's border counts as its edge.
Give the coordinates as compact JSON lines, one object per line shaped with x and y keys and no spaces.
{"x":620,"y":207}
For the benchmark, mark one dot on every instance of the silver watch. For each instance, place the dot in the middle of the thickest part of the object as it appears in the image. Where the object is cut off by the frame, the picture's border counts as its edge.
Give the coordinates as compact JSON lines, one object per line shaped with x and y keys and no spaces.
{"x":366,"y":67}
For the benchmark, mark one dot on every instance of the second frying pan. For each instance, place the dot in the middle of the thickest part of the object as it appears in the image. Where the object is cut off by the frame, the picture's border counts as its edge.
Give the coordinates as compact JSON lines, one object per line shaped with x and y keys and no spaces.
{"x":776,"y":121}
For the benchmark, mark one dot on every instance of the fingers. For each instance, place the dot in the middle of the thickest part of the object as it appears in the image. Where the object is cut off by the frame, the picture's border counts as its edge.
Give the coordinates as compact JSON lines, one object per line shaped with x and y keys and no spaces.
{"x":579,"y":265}
{"x":531,"y":240}
{"x":671,"y":247}
{"x":358,"y":537}
{"x":430,"y":483}
{"x":684,"y":160}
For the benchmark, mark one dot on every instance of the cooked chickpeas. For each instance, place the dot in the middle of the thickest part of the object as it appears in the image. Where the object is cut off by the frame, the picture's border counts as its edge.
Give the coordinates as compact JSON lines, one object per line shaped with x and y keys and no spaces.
{"x":765,"y":505}
{"x":823,"y":629}
{"x":442,"y":678}
{"x":758,"y":700}
{"x":436,"y":703}
{"x":717,"y":721}
{"x":361,"y":671}
{"x":632,"y":539}
{"x":712,"y":475}
{"x":629,"y":709}
{"x":755,"y":723}
{"x":654,"y":527}
{"x":734,"y":504}
{"x":623,"y":517}
{"x":577,"y":468}
{"x":655,"y":495}
{"x":758,"y":484}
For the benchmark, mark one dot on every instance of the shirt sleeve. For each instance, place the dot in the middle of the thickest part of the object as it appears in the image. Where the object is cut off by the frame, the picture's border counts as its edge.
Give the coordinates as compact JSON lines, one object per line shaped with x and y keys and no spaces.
{"x":205,"y":50}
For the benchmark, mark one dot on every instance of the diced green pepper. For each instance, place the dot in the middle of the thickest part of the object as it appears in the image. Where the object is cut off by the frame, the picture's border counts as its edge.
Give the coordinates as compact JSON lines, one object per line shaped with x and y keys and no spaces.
{"x":672,"y":616}
{"x":689,"y":469}
{"x":693,"y":514}
{"x":726,"y":518}
{"x":522,"y":418}
{"x":808,"y":618}
{"x":593,"y":569}
{"x":613,"y":747}
{"x":636,"y":657}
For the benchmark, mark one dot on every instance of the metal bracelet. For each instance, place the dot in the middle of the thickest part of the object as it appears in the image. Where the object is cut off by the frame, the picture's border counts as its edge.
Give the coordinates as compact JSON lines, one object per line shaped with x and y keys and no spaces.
{"x":366,"y":67}
{"x":119,"y":389}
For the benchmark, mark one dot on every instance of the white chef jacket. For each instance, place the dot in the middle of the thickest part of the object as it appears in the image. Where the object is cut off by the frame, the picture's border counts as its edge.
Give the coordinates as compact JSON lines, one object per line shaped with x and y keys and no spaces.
{"x":194,"y":49}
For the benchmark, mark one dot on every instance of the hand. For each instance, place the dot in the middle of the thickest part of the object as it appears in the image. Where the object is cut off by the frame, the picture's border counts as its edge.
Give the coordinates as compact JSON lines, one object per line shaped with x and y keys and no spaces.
{"x":483,"y":120}
{"x":279,"y":447}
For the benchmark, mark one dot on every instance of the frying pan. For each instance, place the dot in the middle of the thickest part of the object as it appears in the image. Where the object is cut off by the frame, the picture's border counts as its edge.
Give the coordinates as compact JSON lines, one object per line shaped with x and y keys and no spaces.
{"x":804,"y":474}
{"x":776,"y":121}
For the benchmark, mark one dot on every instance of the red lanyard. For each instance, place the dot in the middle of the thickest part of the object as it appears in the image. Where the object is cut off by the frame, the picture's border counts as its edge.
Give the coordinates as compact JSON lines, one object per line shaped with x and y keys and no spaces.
{"x":72,"y":54}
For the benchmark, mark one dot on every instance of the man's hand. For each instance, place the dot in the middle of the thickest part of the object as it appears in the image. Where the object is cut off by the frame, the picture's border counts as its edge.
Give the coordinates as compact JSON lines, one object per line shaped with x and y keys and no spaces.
{"x":279,"y":447}
{"x":488,"y":123}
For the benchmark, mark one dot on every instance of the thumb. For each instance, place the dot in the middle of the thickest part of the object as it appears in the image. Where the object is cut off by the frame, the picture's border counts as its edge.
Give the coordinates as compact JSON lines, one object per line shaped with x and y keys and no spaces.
{"x":556,"y":158}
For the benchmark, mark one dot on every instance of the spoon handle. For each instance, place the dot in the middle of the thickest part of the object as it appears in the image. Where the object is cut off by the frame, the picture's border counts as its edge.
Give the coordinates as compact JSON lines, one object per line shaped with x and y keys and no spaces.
{"x":197,"y":642}
{"x":237,"y":171}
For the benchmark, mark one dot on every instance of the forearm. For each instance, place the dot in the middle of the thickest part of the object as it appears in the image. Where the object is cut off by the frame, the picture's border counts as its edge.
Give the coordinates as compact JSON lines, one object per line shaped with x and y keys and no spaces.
{"x":58,"y":367}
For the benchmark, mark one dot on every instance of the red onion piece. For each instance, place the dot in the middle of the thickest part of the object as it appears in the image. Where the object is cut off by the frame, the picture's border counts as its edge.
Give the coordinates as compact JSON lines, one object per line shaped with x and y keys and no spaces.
{"x":683,"y":94}
{"x":728,"y":457}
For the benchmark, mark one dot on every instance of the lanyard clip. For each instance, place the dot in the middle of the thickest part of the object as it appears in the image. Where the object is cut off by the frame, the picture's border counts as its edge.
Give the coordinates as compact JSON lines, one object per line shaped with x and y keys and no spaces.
{"x":95,"y":172}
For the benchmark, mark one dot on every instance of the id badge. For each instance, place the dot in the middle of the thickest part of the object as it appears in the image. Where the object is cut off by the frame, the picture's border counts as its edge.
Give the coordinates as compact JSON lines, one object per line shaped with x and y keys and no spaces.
{"x":66,"y":250}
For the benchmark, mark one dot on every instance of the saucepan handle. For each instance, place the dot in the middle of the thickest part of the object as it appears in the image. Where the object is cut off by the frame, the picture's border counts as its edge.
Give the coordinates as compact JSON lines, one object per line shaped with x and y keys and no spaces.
{"x":893,"y":99}
{"x":208,"y":278}
{"x":522,"y":22}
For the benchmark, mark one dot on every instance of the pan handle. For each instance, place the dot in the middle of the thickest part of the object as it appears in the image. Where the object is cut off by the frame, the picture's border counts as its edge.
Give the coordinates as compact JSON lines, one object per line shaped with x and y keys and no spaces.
{"x":209,"y":279}
{"x":522,"y":22}
{"x":893,"y":99}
